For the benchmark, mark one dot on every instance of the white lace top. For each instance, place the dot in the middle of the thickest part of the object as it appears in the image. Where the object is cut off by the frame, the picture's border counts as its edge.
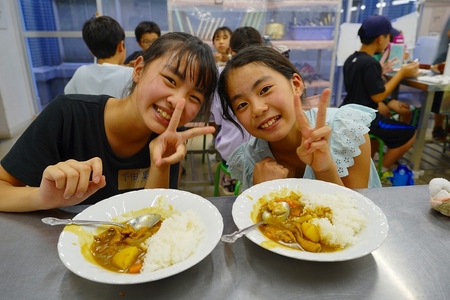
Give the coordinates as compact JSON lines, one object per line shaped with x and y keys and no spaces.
{"x":348,"y":124}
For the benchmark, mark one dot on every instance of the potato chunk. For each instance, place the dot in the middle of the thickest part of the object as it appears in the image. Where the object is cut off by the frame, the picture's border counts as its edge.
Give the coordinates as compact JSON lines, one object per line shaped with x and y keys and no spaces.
{"x":311,"y":232}
{"x":126,"y":257}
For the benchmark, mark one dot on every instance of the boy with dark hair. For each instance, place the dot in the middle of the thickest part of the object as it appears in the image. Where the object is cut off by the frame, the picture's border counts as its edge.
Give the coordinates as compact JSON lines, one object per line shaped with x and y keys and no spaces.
{"x":105,"y":39}
{"x":243,"y":37}
{"x":146,"y":33}
{"x":364,"y":85}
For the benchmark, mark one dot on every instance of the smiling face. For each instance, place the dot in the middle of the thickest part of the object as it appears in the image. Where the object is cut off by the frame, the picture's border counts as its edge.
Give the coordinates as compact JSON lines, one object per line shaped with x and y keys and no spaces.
{"x":263,"y":100}
{"x":160,"y":86}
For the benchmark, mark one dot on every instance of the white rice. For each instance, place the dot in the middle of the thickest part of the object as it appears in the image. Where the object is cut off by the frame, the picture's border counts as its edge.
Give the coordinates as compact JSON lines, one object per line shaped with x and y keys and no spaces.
{"x":345,"y":221}
{"x":176,"y":240}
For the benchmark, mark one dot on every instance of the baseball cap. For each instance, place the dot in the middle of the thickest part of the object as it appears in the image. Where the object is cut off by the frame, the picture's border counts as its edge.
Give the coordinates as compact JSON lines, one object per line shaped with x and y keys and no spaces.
{"x":376,"y":25}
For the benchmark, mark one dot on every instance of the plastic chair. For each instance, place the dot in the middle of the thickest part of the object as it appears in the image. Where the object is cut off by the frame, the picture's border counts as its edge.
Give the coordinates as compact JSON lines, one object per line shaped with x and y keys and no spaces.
{"x":380,"y":154}
{"x":416,"y":115}
{"x":426,"y":48}
{"x":222,"y":167}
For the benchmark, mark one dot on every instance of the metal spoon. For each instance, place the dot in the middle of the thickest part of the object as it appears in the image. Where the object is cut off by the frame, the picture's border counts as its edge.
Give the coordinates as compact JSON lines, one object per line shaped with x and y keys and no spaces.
{"x":267,"y":216}
{"x":138,"y":222}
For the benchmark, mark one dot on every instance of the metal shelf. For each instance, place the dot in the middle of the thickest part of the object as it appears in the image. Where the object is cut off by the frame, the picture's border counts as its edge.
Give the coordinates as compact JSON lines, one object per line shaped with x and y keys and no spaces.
{"x":297,"y":44}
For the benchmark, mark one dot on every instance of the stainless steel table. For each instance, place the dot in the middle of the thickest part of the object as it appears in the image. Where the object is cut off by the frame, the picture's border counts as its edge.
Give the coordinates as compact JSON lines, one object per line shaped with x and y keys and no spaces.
{"x":413,"y":263}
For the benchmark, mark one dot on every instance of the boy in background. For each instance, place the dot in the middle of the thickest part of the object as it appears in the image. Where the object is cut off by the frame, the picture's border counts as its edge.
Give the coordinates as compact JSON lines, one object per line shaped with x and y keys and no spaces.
{"x":365,"y":86}
{"x":105,"y":39}
{"x":146,"y":33}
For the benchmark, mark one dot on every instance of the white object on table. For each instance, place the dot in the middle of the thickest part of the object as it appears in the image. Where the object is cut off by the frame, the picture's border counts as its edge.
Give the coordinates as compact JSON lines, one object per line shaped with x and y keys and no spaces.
{"x":438,"y":79}
{"x":440,"y":195}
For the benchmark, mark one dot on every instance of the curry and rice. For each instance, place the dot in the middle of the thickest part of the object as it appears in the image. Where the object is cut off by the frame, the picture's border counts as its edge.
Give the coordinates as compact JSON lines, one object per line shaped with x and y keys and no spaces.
{"x":168,"y":242}
{"x":317,"y":222}
{"x":125,"y":250}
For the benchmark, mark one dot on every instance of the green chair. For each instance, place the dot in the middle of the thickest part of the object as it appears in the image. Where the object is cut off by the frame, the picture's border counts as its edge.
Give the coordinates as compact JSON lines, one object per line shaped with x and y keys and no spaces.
{"x":380,"y":153}
{"x":414,"y":121}
{"x":222,"y":167}
{"x":416,"y":115}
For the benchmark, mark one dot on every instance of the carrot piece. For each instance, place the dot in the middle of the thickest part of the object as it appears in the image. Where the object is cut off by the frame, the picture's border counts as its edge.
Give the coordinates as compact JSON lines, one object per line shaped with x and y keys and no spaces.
{"x":135,"y":268}
{"x":296,"y":212}
{"x":292,"y":204}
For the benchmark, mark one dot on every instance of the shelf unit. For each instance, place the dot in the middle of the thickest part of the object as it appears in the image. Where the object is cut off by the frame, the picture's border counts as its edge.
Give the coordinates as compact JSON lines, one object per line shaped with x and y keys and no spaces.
{"x":308,"y":24}
{"x":313,"y":19}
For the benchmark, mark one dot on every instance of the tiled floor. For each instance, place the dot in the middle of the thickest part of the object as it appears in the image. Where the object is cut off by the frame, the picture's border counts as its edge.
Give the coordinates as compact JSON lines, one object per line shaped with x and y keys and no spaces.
{"x":200,"y":170}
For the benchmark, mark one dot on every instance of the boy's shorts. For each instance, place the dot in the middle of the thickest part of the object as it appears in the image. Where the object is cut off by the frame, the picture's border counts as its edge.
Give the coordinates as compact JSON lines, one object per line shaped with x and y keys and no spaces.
{"x":392,"y":132}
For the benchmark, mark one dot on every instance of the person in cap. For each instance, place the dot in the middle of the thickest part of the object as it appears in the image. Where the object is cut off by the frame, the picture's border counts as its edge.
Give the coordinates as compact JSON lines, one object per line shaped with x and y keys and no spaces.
{"x":364,"y":84}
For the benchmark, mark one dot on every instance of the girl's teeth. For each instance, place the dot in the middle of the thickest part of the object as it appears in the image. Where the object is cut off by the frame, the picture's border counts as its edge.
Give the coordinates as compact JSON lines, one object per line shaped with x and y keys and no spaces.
{"x":269,"y":123}
{"x":163,"y":114}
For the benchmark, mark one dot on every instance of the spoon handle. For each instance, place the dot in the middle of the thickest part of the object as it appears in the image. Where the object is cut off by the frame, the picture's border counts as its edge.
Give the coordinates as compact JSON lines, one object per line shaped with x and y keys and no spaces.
{"x":55,"y":221}
{"x":231,"y":238}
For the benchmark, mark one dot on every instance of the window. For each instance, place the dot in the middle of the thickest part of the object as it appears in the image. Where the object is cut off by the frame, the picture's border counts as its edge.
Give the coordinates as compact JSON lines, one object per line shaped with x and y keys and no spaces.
{"x":52,"y":32}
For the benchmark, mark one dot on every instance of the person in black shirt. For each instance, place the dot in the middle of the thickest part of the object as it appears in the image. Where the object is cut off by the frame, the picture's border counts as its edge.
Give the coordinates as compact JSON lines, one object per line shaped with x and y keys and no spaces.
{"x":84,"y":148}
{"x":364,"y":85}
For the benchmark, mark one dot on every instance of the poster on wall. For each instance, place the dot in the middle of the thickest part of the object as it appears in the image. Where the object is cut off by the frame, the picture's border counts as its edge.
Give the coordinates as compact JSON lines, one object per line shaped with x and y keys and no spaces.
{"x":348,"y":42}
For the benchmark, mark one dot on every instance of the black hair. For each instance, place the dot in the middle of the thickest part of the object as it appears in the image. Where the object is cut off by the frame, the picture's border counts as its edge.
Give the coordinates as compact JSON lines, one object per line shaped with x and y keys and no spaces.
{"x":192,"y":57}
{"x":221,"y":29}
{"x":102,"y":35}
{"x":243,"y":37}
{"x":146,"y":27}
{"x":263,"y":56}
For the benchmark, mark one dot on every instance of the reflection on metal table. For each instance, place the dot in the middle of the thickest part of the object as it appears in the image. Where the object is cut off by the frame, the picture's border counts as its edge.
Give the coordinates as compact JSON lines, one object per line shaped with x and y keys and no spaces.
{"x":411,"y":264}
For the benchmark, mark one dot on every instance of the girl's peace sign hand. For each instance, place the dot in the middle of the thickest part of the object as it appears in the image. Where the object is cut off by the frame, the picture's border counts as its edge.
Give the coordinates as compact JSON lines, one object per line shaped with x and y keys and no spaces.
{"x":170,"y":146}
{"x":315,"y":149}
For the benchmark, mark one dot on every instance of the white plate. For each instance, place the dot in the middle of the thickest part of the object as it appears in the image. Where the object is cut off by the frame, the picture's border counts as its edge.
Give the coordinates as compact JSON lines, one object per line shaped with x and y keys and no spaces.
{"x":69,"y":247}
{"x":370,"y":238}
{"x":421,"y":72}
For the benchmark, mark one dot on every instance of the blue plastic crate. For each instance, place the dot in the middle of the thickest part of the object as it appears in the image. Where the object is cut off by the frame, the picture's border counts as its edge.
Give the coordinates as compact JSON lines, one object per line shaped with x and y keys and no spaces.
{"x":311,"y":33}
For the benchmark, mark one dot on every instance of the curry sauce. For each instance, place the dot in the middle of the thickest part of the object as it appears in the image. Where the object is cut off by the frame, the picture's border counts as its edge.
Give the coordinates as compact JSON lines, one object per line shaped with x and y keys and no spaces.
{"x":296,"y":229}
{"x":121,"y":249}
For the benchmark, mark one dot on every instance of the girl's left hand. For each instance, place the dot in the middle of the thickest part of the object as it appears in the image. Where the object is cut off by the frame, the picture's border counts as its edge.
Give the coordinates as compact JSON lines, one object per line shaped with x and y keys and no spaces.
{"x":315,"y":149}
{"x":217,"y":56}
{"x":170,"y":147}
{"x":388,"y":66}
